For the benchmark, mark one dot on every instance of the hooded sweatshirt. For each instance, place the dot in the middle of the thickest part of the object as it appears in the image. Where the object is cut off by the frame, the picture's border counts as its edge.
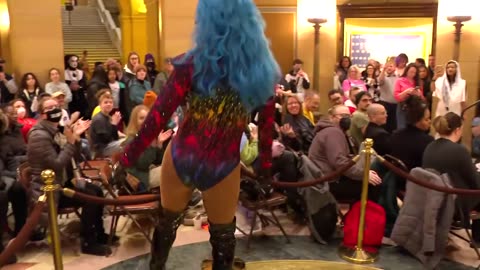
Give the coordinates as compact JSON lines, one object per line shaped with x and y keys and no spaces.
{"x":329,"y":150}
{"x":450,"y":96}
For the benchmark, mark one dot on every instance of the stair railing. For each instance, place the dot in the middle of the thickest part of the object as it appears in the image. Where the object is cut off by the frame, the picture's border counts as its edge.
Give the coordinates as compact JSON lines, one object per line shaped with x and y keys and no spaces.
{"x":112,"y":29}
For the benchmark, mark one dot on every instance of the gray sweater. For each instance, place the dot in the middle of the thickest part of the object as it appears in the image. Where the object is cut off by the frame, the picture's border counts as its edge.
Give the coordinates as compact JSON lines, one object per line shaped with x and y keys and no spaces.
{"x":329,"y":150}
{"x":43,"y":153}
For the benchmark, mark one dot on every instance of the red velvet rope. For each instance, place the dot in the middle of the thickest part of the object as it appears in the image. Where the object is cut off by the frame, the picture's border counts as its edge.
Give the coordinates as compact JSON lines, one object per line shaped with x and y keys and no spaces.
{"x":24,"y":235}
{"x":329,"y":177}
{"x":428,"y":185}
{"x":128,"y":200}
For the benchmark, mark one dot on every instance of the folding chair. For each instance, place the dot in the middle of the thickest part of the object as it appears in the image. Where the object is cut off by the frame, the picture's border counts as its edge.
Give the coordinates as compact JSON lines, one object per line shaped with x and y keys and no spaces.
{"x":262,"y":204}
{"x":469,"y":240}
{"x":150,"y":209}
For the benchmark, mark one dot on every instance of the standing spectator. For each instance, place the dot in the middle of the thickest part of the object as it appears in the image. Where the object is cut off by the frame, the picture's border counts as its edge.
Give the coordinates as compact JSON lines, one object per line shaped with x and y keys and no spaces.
{"x":8,"y":87}
{"x":297,"y":78}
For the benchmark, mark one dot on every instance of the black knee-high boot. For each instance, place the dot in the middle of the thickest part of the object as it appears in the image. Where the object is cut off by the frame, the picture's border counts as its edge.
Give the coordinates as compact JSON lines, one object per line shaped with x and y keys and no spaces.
{"x":163,"y":238}
{"x":222,"y":239}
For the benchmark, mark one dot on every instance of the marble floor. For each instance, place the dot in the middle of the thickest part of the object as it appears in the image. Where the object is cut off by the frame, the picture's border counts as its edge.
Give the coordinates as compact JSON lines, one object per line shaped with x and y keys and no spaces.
{"x":132,"y":252}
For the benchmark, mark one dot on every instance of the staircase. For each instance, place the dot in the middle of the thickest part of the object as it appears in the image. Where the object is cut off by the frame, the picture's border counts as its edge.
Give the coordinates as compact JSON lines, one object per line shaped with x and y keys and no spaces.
{"x":87,"y":32}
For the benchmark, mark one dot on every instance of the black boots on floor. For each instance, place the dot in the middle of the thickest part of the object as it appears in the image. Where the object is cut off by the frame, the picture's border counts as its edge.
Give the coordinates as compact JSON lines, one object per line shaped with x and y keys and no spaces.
{"x":163,"y":238}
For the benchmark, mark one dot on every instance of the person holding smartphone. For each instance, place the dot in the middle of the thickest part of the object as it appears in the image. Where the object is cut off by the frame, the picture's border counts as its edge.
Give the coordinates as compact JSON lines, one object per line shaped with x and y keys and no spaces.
{"x":406,"y":86}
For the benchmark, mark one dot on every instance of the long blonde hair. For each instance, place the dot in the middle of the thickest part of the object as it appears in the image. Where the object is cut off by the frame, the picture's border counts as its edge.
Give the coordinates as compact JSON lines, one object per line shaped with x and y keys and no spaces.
{"x":133,"y":127}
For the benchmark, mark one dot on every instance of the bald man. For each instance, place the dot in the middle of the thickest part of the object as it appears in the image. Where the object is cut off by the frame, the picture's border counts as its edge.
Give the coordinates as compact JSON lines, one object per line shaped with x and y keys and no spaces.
{"x":375,"y":130}
{"x":311,"y":106}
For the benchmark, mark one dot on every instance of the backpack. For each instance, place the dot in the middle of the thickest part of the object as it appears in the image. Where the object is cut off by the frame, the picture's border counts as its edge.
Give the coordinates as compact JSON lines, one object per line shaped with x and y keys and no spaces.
{"x":375,"y":220}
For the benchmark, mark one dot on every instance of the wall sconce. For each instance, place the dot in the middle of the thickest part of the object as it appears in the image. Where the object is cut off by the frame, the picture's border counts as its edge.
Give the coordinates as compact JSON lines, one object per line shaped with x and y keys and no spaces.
{"x":458,"y":20}
{"x":316,"y":51}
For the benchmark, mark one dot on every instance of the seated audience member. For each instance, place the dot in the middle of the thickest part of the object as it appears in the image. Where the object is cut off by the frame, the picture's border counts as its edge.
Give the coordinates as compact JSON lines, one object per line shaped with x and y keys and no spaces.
{"x":104,"y":132}
{"x":311,"y":106}
{"x":359,"y":120}
{"x":29,"y":91}
{"x":60,"y":98}
{"x":351,"y":102}
{"x":44,"y":152}
{"x":55,"y":85}
{"x":330,"y":150}
{"x":65,"y":121}
{"x":138,"y":86}
{"x":476,"y":137}
{"x":22,"y":117}
{"x":153,"y":155}
{"x":409,"y":143}
{"x":446,"y":155}
{"x":335,"y":97}
{"x":12,"y":152}
{"x":297,"y":130}
{"x":249,"y":146}
{"x":375,"y":130}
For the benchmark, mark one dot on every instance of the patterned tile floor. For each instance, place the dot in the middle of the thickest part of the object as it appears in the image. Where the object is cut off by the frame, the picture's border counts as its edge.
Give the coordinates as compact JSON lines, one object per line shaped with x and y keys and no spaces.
{"x":191,"y":241}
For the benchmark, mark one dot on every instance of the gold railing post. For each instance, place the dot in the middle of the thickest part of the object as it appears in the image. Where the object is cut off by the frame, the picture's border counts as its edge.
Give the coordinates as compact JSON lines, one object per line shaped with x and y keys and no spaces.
{"x":358,"y":254}
{"x":48,"y":176}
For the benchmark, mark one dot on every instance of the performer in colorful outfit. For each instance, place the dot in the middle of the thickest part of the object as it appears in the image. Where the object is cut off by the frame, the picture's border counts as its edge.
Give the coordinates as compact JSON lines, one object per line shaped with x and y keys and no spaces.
{"x":228,"y":74}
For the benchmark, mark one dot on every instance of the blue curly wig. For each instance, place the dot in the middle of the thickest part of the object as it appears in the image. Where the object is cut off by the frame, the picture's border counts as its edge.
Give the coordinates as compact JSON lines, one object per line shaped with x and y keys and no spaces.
{"x":231,"y":48}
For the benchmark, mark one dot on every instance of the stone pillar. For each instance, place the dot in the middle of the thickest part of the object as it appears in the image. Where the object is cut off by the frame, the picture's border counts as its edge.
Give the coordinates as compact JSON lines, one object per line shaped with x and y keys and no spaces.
{"x":133,"y":21}
{"x":178,"y":25}
{"x":36,"y":37}
{"x":153,"y":29}
{"x":327,"y":9}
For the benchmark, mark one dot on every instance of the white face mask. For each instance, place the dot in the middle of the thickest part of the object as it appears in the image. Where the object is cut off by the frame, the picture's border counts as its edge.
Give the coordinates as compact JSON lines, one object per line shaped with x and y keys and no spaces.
{"x":73,"y":62}
{"x":21,"y":112}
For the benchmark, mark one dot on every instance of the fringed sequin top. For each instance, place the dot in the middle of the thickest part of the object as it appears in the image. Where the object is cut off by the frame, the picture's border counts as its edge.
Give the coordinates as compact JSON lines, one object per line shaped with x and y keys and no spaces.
{"x":206,"y":148}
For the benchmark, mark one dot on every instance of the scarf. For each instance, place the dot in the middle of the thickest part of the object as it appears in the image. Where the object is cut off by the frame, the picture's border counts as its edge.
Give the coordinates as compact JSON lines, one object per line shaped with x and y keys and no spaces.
{"x":446,"y":91}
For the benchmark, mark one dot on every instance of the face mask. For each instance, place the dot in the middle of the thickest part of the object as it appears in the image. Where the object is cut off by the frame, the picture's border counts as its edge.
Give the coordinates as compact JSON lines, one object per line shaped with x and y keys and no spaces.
{"x":21,"y":112}
{"x":151,"y":65}
{"x":345,"y":123}
{"x":54,"y":115}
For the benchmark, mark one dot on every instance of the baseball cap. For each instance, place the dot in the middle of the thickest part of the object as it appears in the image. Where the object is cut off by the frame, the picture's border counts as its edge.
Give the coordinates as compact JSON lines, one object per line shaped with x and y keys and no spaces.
{"x":57,"y":94}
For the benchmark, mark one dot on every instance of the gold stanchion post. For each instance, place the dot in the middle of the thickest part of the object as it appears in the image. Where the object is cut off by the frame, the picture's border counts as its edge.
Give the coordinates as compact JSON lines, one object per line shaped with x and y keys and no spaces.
{"x":48,"y":177}
{"x":357,"y":254}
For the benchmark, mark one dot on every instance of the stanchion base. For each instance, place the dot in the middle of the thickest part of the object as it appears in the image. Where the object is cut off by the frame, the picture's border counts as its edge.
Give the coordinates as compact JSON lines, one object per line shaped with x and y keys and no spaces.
{"x":356,"y":255}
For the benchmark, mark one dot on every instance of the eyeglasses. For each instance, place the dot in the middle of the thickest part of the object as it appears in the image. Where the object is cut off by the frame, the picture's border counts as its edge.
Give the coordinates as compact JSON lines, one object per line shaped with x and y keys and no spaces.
{"x":292,"y":103}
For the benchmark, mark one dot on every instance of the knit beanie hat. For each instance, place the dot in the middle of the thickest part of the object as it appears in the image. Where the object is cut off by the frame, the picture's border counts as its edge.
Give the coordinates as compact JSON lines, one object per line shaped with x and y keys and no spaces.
{"x":149,"y":98}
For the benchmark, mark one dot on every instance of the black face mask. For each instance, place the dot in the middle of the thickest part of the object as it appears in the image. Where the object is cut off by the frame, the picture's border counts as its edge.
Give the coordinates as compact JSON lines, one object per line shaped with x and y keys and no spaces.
{"x":345,"y":123}
{"x":151,"y":65}
{"x":54,"y":115}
